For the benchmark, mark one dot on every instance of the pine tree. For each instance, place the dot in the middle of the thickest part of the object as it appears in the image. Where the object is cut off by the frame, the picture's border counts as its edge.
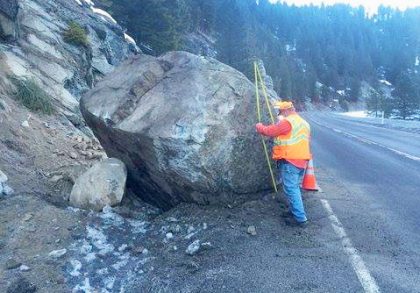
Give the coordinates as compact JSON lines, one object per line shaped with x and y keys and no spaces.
{"x":406,"y":94}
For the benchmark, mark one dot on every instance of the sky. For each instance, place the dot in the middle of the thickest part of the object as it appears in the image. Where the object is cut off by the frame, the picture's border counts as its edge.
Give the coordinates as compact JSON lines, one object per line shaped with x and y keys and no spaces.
{"x":370,"y":5}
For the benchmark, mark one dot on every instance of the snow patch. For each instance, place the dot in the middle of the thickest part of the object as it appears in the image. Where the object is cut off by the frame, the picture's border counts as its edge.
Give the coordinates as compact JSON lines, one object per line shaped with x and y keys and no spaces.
{"x":138,"y":226}
{"x":385,"y":82}
{"x":111,"y":218}
{"x":105,"y":15}
{"x":77,"y":265}
{"x":99,"y":240}
{"x":85,"y":287}
{"x":129,"y":39}
{"x":357,"y":114}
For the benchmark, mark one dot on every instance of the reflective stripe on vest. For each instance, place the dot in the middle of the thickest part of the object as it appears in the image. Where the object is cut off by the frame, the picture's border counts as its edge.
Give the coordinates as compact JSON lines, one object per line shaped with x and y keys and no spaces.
{"x":294,"y":145}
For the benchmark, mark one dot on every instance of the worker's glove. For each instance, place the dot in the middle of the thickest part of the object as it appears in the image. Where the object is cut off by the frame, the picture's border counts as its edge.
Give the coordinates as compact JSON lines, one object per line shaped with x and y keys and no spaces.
{"x":259,"y":127}
{"x":280,"y":117}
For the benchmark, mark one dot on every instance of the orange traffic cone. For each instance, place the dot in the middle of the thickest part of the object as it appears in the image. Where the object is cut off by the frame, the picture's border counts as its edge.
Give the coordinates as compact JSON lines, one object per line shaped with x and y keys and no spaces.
{"x":309,"y":181}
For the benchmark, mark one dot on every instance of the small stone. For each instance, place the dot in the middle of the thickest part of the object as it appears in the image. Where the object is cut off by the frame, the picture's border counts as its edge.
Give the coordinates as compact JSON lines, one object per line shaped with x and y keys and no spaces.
{"x":3,"y":177}
{"x":7,"y":190}
{"x":171,"y":219}
{"x":11,"y":264}
{"x":145,"y":251}
{"x":252,"y":230}
{"x":4,"y":106}
{"x":175,"y":228}
{"x":56,"y":178}
{"x":190,"y":229}
{"x":24,"y":268}
{"x":169,"y":235}
{"x":138,"y":250}
{"x":27,"y":217}
{"x":25,"y":123}
{"x":206,"y":245}
{"x":57,"y":253}
{"x":204,"y":226}
{"x":57,"y":241}
{"x":73,"y":155}
{"x":175,"y":248}
{"x":193,"y":248}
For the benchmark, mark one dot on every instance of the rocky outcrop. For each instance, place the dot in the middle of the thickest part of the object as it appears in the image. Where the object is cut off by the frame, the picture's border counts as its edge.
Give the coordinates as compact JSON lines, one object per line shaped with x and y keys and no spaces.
{"x":101,"y":185}
{"x":8,"y":14}
{"x":184,"y":127}
{"x":200,"y":43}
{"x":268,"y":82}
{"x":65,"y":71}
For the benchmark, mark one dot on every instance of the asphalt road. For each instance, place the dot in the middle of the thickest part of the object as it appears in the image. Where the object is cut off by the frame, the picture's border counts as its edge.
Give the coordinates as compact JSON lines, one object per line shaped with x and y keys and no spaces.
{"x":376,"y":172}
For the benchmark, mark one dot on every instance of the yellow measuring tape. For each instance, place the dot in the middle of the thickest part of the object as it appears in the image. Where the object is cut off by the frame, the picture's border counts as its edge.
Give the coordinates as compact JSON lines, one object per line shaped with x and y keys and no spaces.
{"x":258,"y":77}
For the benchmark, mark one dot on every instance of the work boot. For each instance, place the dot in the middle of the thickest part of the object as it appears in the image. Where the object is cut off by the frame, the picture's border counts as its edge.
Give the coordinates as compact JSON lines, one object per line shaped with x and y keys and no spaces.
{"x":291,"y":222}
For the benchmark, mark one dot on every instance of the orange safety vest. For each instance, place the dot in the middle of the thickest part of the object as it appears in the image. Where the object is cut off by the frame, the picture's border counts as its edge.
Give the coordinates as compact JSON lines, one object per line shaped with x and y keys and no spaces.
{"x":295,"y":144}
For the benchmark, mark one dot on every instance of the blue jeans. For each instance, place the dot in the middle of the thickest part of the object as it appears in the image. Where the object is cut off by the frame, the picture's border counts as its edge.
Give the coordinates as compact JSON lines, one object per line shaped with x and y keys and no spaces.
{"x":292,"y":177}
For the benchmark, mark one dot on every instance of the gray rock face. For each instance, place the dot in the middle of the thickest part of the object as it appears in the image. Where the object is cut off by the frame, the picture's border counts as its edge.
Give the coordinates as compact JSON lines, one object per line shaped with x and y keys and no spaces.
{"x":63,"y":70}
{"x":9,"y":8}
{"x":184,"y":127}
{"x":101,"y":185}
{"x":268,"y":82}
{"x":8,"y":14}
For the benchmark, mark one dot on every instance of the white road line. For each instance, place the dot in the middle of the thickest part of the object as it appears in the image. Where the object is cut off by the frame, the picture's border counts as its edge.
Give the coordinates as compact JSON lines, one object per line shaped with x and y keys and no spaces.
{"x":363,"y":274}
{"x":368,"y":141}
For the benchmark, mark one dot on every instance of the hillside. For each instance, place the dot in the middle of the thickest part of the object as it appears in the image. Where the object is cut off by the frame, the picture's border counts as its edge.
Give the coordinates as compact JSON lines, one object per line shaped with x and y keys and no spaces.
{"x":317,"y":54}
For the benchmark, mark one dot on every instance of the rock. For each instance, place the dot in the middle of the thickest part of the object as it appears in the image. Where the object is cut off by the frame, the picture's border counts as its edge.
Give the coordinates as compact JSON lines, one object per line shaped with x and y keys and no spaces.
{"x":7,"y":190}
{"x":103,"y":184}
{"x":57,"y":253}
{"x":24,"y":268}
{"x":3,"y":177}
{"x":40,"y":52}
{"x":172,"y":219}
{"x":25,"y":123}
{"x":184,"y":126}
{"x":268,"y":82}
{"x":56,"y":178}
{"x":27,"y":217}
{"x":8,"y":15}
{"x":21,"y":285}
{"x":190,"y":229}
{"x":252,"y":230}
{"x":73,"y":155}
{"x":11,"y":264}
{"x":169,"y":236}
{"x":193,"y":248}
{"x":4,"y":106}
{"x":206,"y":245}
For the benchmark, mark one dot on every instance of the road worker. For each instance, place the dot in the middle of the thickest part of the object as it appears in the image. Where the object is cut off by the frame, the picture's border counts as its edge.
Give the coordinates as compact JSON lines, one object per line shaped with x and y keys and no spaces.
{"x":292,"y":152}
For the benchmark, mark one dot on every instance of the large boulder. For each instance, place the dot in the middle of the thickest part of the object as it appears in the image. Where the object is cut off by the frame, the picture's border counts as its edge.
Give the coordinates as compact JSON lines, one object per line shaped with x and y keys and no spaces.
{"x":184,"y":126}
{"x":101,"y":185}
